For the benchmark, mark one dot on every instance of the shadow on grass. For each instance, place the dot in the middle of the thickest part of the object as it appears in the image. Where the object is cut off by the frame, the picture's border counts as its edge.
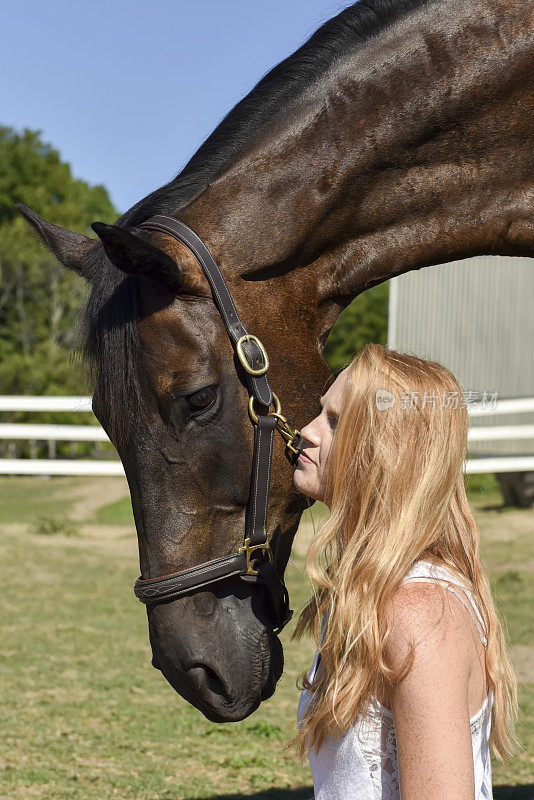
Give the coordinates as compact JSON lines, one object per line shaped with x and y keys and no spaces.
{"x":502,"y":508}
{"x":272,"y":794}
{"x":525,"y":792}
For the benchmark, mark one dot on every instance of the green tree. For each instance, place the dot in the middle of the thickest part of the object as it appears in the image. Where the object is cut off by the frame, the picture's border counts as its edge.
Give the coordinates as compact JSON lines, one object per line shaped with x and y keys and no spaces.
{"x":39,"y":298}
{"x":364,"y":320}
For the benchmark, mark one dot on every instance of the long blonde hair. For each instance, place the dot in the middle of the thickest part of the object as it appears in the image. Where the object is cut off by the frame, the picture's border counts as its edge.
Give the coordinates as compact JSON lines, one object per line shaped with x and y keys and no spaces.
{"x":395,"y":488}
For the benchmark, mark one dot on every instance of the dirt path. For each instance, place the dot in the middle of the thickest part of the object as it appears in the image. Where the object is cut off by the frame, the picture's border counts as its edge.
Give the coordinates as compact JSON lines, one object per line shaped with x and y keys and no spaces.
{"x":95,"y":493}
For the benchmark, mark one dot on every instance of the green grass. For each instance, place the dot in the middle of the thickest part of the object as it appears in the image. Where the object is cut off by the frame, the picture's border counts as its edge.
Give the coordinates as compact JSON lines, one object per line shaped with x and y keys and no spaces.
{"x":84,"y":713}
{"x":481,"y":486}
{"x":117,"y":513}
{"x":26,"y":499}
{"x":86,"y":717}
{"x":513,"y":592}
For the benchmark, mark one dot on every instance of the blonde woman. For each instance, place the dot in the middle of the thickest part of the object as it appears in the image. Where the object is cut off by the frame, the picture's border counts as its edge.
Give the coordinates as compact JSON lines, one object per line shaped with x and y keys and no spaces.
{"x":411,"y":684}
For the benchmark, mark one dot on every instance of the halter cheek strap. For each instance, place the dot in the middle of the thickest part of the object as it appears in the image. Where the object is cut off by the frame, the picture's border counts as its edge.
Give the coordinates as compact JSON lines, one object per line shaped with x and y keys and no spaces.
{"x":253,"y":560}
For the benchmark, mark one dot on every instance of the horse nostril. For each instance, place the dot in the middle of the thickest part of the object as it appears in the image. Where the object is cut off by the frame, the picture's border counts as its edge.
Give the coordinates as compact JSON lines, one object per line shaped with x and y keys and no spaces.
{"x":204,"y":603}
{"x":207,"y":678}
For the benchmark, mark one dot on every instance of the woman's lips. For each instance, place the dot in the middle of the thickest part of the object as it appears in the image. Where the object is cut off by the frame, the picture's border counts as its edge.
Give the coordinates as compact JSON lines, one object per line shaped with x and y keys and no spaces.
{"x":304,"y":457}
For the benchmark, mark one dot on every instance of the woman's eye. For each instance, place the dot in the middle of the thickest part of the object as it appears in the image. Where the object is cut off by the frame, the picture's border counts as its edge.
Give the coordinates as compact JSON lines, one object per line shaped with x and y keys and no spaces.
{"x":332,"y":421}
{"x":201,"y":400}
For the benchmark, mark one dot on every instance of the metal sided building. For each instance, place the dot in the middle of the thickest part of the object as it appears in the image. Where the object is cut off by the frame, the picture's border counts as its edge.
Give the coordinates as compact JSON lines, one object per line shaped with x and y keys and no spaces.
{"x":475,"y":317}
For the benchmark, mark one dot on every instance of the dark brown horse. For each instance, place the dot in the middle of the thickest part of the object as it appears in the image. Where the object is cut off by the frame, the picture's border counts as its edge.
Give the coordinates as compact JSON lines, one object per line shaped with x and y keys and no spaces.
{"x":399,"y":136}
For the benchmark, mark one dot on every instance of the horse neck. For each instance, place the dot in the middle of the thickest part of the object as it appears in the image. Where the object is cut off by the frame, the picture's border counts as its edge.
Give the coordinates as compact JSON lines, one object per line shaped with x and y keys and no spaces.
{"x":414,"y":150}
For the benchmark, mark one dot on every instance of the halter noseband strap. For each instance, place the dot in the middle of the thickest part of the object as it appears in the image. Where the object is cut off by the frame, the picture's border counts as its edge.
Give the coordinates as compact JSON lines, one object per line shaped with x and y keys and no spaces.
{"x":255,"y":363}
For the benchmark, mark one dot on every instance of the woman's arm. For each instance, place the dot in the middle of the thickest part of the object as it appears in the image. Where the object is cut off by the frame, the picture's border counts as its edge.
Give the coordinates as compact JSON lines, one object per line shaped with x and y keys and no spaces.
{"x":430,"y":705}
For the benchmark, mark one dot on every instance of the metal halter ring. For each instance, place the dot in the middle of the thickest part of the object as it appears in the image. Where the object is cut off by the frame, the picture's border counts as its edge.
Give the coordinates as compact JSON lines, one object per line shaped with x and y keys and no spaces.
{"x":243,"y":358}
{"x":249,"y":549}
{"x":252,"y":414}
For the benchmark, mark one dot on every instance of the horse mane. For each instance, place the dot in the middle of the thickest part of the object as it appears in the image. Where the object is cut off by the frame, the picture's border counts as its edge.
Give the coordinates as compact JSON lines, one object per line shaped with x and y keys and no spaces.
{"x":110,"y":329}
{"x":273,"y":95}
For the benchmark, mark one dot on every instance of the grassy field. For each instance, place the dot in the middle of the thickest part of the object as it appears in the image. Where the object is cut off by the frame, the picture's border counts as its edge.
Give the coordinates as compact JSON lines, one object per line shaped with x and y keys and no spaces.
{"x":86,"y":716}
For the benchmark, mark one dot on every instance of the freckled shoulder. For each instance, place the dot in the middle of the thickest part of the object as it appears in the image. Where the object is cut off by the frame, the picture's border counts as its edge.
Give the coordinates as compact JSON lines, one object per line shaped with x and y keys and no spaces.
{"x":420,"y":614}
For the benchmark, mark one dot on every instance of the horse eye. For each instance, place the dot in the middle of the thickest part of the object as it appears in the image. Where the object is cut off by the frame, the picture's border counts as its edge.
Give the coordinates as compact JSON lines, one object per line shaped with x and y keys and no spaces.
{"x":201,"y":400}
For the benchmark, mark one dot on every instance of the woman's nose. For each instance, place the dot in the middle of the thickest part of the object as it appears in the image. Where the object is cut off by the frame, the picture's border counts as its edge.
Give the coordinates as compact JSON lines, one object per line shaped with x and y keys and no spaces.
{"x":309,"y":433}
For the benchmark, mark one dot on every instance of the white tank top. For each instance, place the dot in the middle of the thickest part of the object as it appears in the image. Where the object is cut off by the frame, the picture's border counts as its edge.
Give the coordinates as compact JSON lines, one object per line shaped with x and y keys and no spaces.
{"x":362,"y":764}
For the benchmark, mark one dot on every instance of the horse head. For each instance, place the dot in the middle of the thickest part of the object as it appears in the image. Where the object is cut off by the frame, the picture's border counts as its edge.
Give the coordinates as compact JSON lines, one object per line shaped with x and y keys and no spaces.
{"x":172,"y":397}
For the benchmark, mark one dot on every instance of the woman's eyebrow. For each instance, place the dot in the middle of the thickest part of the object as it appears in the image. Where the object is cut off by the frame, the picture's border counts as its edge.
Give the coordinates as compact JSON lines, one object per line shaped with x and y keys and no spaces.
{"x":329,"y":409}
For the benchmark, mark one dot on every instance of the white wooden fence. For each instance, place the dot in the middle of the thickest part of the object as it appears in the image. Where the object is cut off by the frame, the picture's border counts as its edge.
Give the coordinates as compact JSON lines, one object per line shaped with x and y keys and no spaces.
{"x":53,"y":433}
{"x":93,"y":433}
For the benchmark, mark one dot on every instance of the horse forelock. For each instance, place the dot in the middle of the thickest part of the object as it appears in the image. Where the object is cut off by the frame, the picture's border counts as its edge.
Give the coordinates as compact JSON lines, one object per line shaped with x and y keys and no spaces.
{"x":109,"y":342}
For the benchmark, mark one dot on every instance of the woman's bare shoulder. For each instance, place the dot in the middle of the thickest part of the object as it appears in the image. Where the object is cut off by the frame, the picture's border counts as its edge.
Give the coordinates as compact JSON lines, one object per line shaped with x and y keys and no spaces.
{"x":420,"y":614}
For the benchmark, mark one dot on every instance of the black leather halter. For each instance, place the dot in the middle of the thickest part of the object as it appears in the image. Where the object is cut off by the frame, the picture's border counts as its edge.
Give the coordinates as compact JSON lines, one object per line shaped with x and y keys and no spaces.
{"x":253,"y":561}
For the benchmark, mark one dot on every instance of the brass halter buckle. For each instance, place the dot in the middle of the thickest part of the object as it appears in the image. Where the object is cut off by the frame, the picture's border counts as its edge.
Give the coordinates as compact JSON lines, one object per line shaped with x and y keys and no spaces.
{"x":291,"y":435}
{"x":248,"y":337}
{"x":248,"y":549}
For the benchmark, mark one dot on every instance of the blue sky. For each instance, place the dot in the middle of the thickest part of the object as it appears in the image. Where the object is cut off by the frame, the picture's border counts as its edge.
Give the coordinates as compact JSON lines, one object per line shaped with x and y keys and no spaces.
{"x":127,"y":91}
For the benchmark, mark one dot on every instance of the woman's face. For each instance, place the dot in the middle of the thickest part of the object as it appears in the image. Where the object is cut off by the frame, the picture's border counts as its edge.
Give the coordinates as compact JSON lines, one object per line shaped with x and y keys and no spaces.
{"x":318,"y":434}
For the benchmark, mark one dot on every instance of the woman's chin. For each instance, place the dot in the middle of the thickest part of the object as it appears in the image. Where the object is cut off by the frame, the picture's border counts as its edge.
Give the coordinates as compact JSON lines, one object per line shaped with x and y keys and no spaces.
{"x":303,"y":487}
{"x":299,"y":484}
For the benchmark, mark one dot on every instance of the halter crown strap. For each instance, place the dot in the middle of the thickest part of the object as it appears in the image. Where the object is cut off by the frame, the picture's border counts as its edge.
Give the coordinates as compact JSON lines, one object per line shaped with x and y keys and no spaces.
{"x":253,"y":358}
{"x":256,"y":356}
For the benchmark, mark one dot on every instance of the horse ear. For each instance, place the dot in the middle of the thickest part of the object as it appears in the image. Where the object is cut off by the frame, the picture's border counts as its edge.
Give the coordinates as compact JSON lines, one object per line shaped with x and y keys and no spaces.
{"x":69,"y":247}
{"x":136,"y":256}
